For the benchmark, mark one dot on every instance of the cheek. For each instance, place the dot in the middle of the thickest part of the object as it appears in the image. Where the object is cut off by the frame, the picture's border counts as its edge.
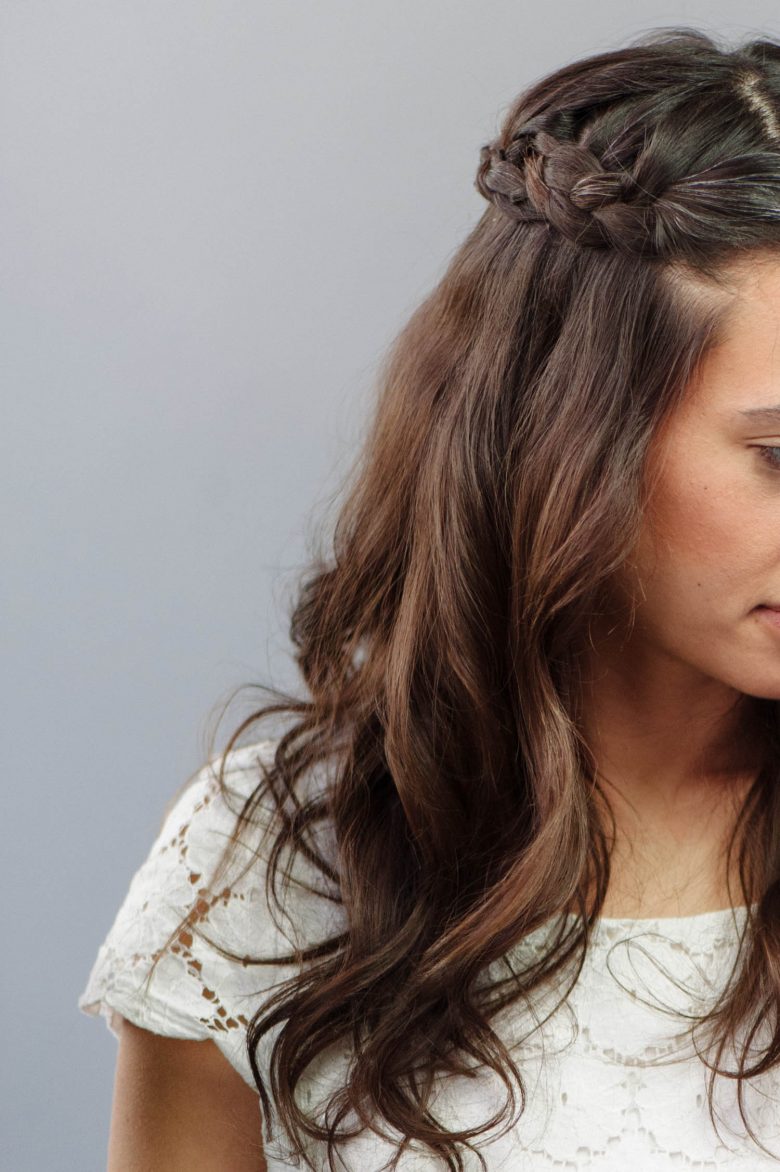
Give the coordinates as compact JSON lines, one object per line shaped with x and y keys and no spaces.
{"x":699,"y":541}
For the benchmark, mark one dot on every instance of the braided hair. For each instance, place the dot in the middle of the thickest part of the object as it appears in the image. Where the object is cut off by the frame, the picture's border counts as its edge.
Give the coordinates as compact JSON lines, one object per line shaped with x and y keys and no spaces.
{"x":596,"y":174}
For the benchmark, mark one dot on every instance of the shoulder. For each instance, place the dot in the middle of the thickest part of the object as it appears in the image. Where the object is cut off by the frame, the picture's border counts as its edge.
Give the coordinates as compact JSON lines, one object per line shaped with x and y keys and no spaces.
{"x":204,"y":802}
{"x":202,"y":815}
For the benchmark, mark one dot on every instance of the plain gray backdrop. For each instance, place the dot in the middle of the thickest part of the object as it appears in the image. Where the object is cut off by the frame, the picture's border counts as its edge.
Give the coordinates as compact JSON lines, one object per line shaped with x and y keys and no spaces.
{"x":215,"y":217}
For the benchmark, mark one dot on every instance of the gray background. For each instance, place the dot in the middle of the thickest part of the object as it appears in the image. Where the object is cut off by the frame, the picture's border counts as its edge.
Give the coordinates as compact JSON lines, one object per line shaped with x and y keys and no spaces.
{"x":214,"y":218}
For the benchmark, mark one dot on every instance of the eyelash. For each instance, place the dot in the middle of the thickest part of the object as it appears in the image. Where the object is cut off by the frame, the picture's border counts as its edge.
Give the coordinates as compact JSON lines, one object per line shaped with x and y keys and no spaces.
{"x":774,"y":463}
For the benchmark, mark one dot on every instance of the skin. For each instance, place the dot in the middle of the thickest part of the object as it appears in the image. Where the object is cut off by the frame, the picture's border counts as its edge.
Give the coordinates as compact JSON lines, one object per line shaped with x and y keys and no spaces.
{"x":670,"y":714}
{"x":179,"y":1105}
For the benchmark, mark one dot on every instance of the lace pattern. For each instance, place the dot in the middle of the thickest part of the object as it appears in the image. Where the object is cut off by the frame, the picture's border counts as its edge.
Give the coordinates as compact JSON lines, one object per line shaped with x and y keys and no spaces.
{"x":196,"y":992}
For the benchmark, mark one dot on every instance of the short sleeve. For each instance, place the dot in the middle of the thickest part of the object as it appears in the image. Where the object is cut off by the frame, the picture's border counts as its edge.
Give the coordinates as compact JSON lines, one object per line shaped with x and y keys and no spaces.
{"x":195,"y":991}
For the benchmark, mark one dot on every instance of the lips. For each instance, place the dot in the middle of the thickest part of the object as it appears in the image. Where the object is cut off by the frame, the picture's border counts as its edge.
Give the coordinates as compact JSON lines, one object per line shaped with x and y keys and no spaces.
{"x":770,"y":615}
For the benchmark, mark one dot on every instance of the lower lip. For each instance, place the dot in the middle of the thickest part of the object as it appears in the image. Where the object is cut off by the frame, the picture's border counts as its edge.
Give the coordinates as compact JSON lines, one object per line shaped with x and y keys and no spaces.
{"x":769,"y":616}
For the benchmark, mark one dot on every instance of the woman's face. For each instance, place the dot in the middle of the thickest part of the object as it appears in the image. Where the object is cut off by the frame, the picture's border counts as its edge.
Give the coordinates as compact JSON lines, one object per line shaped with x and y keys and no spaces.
{"x":709,"y":555}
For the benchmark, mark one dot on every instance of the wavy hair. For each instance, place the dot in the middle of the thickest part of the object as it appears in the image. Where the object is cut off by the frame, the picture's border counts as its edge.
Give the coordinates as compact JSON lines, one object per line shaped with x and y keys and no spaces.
{"x":500,"y":486}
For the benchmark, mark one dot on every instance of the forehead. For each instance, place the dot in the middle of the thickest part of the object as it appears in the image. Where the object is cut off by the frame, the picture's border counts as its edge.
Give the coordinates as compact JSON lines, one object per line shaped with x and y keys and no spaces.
{"x":741,"y":373}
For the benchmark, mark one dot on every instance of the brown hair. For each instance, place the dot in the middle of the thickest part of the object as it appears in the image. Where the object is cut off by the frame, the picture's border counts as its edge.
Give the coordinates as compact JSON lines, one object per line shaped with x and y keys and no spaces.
{"x":501,"y":485}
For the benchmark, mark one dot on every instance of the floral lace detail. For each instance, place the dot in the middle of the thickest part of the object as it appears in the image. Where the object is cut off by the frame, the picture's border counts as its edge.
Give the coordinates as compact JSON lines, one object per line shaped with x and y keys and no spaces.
{"x":611,"y":1084}
{"x":219,"y":1018}
{"x":196,"y":992}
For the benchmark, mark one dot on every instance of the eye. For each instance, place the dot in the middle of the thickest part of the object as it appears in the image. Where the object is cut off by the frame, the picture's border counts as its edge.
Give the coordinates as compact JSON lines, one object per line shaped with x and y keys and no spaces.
{"x":770,"y":455}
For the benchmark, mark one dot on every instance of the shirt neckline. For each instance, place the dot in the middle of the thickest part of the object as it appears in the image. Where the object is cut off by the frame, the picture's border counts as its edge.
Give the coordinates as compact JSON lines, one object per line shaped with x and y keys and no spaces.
{"x":694,"y":919}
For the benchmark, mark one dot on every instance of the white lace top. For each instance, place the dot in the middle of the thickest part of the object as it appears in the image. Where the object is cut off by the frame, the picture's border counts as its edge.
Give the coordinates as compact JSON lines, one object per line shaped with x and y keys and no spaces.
{"x":608,"y":1085}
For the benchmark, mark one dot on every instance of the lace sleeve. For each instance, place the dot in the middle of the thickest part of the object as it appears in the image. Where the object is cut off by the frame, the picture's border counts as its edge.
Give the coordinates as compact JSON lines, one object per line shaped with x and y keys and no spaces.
{"x":194,"y":992}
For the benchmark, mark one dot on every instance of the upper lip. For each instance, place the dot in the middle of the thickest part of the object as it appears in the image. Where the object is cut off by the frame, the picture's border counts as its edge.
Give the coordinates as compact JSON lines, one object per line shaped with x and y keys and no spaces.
{"x":771,"y":605}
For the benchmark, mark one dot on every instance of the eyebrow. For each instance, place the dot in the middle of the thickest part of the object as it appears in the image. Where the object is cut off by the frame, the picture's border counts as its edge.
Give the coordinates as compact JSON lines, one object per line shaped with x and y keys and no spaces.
{"x":762,"y":414}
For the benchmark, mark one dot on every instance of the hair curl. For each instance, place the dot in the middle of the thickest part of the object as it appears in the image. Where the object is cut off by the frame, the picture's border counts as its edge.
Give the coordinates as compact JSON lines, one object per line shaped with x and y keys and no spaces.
{"x":440,"y":641}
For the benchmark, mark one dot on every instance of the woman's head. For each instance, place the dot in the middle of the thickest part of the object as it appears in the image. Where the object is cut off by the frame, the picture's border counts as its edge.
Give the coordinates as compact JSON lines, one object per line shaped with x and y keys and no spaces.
{"x":503,"y":498}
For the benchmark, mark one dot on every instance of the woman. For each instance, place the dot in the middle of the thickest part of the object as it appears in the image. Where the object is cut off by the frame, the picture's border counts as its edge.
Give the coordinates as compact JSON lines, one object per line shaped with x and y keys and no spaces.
{"x":507,"y":889}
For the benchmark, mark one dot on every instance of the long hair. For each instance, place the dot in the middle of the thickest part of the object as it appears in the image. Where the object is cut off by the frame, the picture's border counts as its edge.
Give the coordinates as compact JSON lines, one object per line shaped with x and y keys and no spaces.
{"x":500,"y":485}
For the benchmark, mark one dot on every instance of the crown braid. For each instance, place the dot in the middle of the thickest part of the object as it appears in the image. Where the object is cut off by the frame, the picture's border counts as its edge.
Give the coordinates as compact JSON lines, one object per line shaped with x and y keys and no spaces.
{"x":539,"y":177}
{"x":643,"y":211}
